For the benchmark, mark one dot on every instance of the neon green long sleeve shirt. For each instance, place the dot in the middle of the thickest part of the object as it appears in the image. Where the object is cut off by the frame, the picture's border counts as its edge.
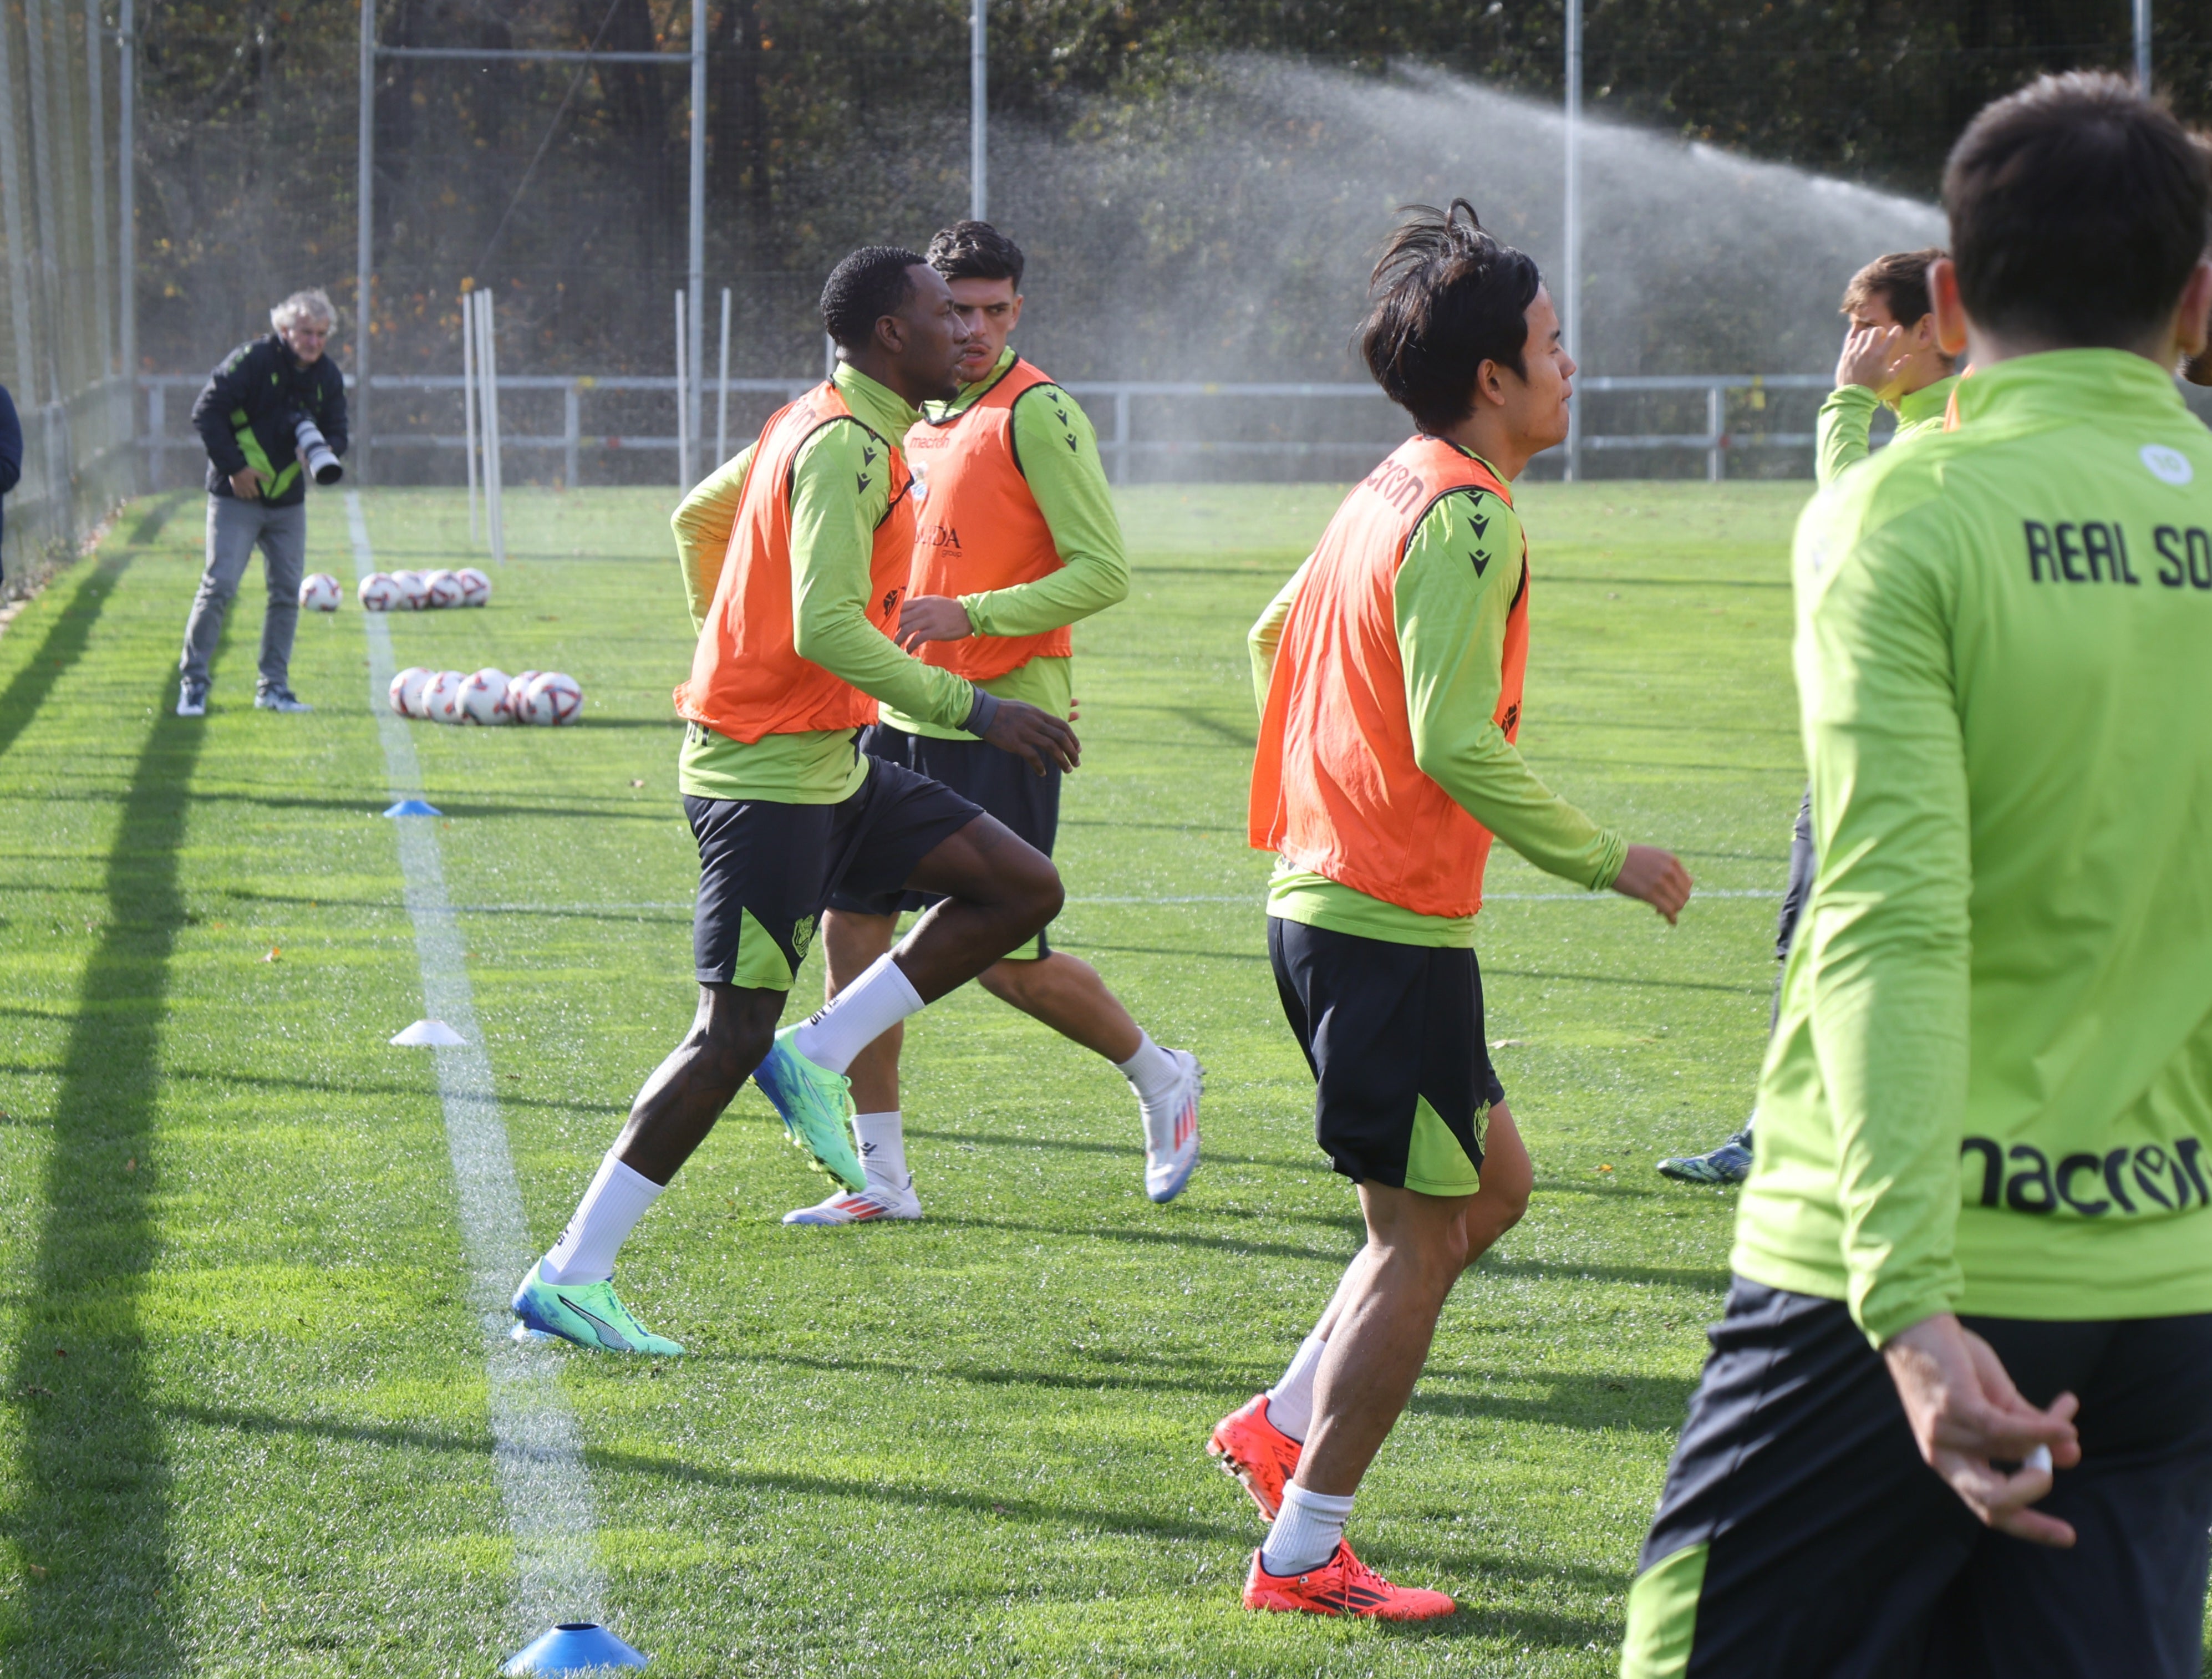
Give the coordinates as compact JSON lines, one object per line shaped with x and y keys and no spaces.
{"x":1991,"y":1087}
{"x":839,"y":495}
{"x":1451,"y":641}
{"x":1846,"y":423}
{"x":1057,"y":451}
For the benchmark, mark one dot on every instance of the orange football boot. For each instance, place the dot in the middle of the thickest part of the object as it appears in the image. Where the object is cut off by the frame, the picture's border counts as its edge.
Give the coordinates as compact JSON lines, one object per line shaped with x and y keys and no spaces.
{"x":1343,"y":1586}
{"x":1259,"y":1455}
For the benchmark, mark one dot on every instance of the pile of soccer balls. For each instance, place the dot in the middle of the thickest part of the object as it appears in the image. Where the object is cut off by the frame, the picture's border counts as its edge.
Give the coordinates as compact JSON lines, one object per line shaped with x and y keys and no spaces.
{"x":489,"y":697}
{"x":417,"y":591}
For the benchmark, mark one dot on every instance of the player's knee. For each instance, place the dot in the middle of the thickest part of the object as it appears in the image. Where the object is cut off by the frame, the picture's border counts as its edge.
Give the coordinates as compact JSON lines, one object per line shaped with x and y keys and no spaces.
{"x":733,"y":1035}
{"x":1039,"y":891}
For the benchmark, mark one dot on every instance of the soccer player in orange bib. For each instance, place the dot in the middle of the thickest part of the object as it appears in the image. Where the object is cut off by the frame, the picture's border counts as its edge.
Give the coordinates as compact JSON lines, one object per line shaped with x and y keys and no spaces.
{"x":1015,"y":539}
{"x":1390,"y":670}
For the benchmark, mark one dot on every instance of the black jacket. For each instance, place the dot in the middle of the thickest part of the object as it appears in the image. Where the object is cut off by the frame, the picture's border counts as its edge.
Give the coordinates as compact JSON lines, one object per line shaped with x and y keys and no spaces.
{"x":11,"y":447}
{"x":261,"y":379}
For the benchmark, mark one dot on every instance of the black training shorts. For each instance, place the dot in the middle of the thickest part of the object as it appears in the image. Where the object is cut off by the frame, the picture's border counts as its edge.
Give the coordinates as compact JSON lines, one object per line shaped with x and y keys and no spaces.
{"x":998,"y":782}
{"x":1800,"y":1536}
{"x":1394,"y":1035}
{"x":766,"y":870}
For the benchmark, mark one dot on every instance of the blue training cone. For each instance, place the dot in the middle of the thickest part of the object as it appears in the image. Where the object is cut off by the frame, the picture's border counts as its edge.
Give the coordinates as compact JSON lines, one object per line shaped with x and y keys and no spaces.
{"x":575,"y":1647}
{"x":413,"y":808}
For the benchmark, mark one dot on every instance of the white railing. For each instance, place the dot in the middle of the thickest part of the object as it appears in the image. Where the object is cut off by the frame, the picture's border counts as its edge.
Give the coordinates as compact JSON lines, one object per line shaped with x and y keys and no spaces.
{"x":1115,"y":401}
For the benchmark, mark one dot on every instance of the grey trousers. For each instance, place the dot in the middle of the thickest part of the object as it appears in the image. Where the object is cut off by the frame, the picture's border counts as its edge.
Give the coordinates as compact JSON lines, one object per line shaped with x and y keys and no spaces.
{"x":234,"y":527}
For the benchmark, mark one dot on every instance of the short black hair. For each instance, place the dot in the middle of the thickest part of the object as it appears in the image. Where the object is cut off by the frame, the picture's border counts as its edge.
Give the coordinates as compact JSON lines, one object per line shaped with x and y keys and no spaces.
{"x":862,"y":289}
{"x":2078,"y":208}
{"x":1445,"y":298}
{"x":976,"y":251}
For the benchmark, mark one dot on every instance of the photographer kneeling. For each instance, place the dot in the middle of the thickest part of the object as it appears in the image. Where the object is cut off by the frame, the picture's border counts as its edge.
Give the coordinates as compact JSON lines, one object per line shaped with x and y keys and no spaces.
{"x":248,"y":416}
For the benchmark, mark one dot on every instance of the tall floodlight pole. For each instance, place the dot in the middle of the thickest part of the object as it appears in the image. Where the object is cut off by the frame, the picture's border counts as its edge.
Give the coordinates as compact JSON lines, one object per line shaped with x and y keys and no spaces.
{"x":2142,"y":44}
{"x":1571,"y":288}
{"x":127,"y":208}
{"x":696,"y":292}
{"x":364,"y":240}
{"x":978,"y":112}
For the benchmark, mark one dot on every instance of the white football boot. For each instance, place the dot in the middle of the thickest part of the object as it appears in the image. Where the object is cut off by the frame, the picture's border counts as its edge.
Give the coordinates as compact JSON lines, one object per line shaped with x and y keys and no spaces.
{"x":876,"y":1201}
{"x":1171,"y":1133}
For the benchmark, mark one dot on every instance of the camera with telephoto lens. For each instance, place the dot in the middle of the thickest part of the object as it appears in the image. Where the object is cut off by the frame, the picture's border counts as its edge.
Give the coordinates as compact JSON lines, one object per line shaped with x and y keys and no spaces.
{"x":322,"y":460}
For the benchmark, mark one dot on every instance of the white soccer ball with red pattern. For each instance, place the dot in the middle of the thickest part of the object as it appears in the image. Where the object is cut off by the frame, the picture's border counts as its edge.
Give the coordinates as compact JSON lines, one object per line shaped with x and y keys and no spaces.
{"x":319,"y":593}
{"x":483,"y":697}
{"x":406,"y":691}
{"x":412,"y":585}
{"x":441,"y":588}
{"x":517,"y":686}
{"x":379,"y":591}
{"x":550,"y":700}
{"x":441,"y":698}
{"x":476,"y":587}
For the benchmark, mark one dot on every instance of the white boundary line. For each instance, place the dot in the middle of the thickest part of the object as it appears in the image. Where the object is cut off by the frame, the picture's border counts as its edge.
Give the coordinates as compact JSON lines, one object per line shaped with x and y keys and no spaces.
{"x":537,"y":1453}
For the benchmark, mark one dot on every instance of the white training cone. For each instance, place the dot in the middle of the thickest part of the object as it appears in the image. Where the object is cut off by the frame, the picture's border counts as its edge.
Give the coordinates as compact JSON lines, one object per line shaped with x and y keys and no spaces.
{"x":428,"y":1031}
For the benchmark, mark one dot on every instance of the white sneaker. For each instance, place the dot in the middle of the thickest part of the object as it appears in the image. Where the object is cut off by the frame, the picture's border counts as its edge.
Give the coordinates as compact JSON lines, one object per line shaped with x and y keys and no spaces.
{"x":1171,"y":1133}
{"x":860,"y":1206}
{"x":279,"y":699}
{"x":191,"y":699}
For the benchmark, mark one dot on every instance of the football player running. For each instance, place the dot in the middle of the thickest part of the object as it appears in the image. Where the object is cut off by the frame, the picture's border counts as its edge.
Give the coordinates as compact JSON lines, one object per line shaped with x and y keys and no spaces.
{"x":1390,"y":671}
{"x":1015,"y":539}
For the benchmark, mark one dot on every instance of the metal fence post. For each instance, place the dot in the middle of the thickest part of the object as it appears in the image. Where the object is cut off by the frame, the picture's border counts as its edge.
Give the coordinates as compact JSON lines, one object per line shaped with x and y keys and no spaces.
{"x":1121,"y":437}
{"x":157,"y":429}
{"x":570,"y":431}
{"x":1715,"y":417}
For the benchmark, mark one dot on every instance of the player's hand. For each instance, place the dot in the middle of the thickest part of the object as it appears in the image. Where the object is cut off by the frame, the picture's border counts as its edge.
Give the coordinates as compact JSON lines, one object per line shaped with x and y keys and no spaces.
{"x":932,"y":618}
{"x":1870,"y":357}
{"x":1967,"y":1418}
{"x":1035,"y":736}
{"x":245,"y":484}
{"x":1655,"y":877}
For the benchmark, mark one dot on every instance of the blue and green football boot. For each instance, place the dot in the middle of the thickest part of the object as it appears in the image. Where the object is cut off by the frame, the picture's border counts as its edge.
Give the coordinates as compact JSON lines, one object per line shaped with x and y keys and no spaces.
{"x":816,"y":1106}
{"x":586,"y":1313}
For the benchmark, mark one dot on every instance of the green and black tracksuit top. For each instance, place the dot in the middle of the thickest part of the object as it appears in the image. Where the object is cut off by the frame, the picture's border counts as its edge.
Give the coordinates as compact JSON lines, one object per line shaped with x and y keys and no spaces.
{"x":246,"y":412}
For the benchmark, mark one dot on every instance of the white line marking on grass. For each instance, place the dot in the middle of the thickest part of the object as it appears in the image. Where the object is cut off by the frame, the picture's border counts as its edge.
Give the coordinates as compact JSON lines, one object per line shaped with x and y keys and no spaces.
{"x":537,"y":1453}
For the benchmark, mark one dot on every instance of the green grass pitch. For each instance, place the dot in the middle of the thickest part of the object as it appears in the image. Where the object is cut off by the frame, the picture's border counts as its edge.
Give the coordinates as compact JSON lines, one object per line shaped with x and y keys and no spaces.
{"x":246,"y":1430}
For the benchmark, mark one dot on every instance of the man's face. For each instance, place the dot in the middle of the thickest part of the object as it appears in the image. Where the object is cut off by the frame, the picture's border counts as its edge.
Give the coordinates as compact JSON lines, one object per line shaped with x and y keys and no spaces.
{"x":305,"y":339}
{"x":934,"y":338}
{"x":1536,"y":404}
{"x":991,"y":310}
{"x":1920,"y":360}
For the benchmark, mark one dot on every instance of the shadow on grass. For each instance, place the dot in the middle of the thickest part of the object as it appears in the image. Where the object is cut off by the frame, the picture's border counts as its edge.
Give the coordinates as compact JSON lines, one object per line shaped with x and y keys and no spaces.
{"x":1716,"y":1281}
{"x":1188,"y":955}
{"x":1580,"y":1399}
{"x":324,"y":1087}
{"x":96,"y":1510}
{"x":67,"y":636}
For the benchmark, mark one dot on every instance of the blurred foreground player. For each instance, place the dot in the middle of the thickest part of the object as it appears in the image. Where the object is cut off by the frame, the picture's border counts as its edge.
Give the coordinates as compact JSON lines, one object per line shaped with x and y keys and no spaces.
{"x":795,"y":557}
{"x":1978,"y":1231}
{"x":1017,"y":539}
{"x":1891,"y":358}
{"x":1391,"y":667}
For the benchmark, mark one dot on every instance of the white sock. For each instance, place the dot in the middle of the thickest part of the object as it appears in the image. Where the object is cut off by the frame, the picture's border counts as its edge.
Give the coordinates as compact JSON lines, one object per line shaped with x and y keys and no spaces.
{"x":857,"y":1016}
{"x":1290,"y":1402}
{"x":881,"y":1140}
{"x":1152,"y":1073}
{"x":600,"y":1225}
{"x":1307,"y":1531}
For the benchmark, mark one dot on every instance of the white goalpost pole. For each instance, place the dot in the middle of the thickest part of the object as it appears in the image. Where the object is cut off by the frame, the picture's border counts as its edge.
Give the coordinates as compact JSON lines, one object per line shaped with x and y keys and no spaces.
{"x":469,"y":400}
{"x":494,"y":475}
{"x":978,"y":110}
{"x":722,"y":401}
{"x":1571,"y":289}
{"x":683,"y":401}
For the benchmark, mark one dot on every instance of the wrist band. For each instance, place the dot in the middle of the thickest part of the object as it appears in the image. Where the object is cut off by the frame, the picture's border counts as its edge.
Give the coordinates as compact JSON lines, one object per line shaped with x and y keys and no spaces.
{"x":979,"y":718}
